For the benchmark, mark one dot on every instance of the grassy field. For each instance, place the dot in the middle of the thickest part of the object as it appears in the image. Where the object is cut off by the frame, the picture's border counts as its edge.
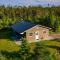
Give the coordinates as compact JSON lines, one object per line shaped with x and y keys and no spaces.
{"x":6,"y":43}
{"x":53,"y":46}
{"x":10,"y":46}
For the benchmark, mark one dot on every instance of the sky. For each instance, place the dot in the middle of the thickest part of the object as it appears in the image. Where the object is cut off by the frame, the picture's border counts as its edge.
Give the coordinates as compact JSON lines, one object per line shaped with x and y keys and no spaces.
{"x":29,"y":2}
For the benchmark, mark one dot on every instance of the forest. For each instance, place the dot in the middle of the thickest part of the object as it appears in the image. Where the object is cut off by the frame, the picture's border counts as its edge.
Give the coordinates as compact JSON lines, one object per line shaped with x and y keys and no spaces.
{"x":43,"y":50}
{"x":46,"y":16}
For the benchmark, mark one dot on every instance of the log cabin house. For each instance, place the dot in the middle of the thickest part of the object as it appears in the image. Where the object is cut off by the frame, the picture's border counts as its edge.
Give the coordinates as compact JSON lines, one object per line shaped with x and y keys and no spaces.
{"x":30,"y":31}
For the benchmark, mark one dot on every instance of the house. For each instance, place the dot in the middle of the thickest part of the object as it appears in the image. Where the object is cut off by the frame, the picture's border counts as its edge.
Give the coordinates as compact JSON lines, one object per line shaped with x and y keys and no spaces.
{"x":31,"y":31}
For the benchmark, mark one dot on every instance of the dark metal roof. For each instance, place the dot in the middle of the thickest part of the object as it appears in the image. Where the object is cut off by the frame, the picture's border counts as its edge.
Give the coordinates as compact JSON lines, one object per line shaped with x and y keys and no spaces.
{"x":22,"y":26}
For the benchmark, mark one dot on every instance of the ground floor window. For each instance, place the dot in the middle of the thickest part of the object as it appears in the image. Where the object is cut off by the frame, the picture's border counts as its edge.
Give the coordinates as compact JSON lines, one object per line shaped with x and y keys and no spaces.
{"x":30,"y":34}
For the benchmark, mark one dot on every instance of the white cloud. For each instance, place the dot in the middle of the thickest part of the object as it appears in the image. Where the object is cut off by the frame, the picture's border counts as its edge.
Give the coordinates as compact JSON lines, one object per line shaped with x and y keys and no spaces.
{"x":29,"y":2}
{"x":47,"y":0}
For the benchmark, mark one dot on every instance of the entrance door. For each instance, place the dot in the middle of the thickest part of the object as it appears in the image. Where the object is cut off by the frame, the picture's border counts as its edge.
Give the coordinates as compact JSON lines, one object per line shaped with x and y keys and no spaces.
{"x":37,"y":35}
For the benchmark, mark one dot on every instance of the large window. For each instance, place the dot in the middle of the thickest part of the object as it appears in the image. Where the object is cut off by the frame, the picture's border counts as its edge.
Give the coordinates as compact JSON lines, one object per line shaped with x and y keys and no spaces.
{"x":37,"y":35}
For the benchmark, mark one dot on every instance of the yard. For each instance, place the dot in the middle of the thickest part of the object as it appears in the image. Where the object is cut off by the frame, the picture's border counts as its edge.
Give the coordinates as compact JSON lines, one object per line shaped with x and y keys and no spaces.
{"x":6,"y":33}
{"x":7,"y":44}
{"x":52,"y":45}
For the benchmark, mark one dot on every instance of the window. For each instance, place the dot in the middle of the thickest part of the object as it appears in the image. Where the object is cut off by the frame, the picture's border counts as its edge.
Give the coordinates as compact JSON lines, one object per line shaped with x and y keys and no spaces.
{"x":36,"y":33}
{"x":30,"y":34}
{"x":44,"y":31}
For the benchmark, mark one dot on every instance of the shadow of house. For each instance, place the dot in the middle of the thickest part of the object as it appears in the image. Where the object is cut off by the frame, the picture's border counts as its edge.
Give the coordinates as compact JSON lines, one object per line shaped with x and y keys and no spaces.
{"x":5,"y":33}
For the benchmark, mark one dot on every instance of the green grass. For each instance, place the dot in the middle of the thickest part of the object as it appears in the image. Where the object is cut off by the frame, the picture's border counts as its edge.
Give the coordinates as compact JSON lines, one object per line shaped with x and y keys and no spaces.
{"x":6,"y":43}
{"x":10,"y":46}
{"x":53,"y":46}
{"x":51,"y":43}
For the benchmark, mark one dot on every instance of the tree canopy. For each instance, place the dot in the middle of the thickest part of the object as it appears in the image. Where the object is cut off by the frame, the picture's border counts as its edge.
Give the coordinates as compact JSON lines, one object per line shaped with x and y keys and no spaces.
{"x":39,"y":15}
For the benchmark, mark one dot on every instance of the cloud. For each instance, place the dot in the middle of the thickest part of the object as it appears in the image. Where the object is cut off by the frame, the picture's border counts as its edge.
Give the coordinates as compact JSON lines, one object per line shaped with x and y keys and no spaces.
{"x":47,"y":0}
{"x":29,"y":2}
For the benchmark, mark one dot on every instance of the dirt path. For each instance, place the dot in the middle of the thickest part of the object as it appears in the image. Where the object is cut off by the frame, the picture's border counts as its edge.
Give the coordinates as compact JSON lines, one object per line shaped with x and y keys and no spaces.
{"x":55,"y":35}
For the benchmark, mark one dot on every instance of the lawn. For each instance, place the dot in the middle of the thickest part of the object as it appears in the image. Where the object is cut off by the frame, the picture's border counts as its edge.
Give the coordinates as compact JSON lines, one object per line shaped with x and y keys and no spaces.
{"x":55,"y":42}
{"x":53,"y":46}
{"x":10,"y":46}
{"x":6,"y":43}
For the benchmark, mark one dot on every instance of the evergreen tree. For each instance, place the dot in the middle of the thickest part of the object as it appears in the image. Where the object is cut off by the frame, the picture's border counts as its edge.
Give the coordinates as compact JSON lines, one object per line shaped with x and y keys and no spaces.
{"x":24,"y":51}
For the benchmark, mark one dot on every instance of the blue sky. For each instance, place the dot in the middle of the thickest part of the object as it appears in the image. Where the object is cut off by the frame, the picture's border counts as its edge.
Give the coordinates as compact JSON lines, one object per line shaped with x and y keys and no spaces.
{"x":29,"y":2}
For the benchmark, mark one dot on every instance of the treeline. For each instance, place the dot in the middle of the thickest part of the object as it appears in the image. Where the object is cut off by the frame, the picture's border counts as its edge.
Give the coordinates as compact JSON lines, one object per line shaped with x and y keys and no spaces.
{"x":48,"y":16}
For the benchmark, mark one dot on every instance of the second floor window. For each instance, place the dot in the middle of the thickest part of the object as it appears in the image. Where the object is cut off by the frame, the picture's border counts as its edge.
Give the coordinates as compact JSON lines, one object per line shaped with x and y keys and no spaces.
{"x":44,"y":31}
{"x":30,"y":34}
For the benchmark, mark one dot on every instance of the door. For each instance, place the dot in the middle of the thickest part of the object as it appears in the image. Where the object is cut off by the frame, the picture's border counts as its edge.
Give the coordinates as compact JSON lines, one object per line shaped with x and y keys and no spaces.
{"x":37,"y":35}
